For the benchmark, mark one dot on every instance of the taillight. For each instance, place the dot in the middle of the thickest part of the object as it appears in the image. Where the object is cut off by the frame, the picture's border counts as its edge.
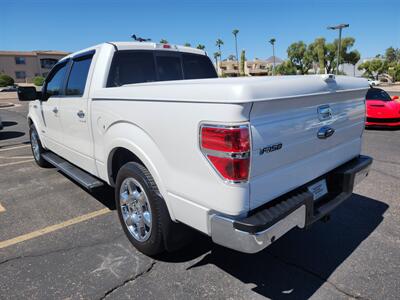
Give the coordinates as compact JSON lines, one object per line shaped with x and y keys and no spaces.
{"x":227,"y":148}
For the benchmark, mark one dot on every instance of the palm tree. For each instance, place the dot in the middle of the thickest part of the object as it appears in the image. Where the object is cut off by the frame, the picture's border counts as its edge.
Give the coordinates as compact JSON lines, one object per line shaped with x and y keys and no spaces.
{"x":187,"y":44}
{"x":216,"y":55}
{"x":235,"y":33}
{"x":163,"y":41}
{"x":201,"y":47}
{"x":272,"y":42}
{"x":219,"y":43}
{"x":353,"y":57}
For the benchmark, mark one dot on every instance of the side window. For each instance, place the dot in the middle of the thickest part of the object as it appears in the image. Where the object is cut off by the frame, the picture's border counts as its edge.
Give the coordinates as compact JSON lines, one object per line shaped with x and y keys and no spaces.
{"x":78,"y":76}
{"x":54,"y":86}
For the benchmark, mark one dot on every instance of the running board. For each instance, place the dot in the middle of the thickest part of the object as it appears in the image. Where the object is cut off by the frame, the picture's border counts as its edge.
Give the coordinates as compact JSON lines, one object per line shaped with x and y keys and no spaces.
{"x":80,"y":176}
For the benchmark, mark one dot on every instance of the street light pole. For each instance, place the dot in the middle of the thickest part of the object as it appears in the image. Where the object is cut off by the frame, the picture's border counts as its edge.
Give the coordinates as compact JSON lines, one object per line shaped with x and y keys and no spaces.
{"x":338,"y":27}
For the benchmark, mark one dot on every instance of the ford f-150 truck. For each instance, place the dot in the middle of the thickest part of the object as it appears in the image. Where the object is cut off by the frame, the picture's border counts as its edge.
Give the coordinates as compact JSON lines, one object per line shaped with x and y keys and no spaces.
{"x":243,"y":160}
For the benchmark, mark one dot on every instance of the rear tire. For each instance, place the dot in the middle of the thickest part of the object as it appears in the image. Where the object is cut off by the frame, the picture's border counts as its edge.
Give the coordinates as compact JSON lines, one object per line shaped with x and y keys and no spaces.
{"x":141,"y":209}
{"x":37,"y":148}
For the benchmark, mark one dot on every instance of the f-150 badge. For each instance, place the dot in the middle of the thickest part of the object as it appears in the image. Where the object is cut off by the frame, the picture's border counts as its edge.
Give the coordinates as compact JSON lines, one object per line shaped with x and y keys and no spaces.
{"x":271,"y":148}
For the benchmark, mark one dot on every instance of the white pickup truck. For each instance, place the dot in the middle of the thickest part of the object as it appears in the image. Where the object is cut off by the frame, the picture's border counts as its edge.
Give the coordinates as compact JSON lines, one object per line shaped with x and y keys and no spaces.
{"x":243,"y":160}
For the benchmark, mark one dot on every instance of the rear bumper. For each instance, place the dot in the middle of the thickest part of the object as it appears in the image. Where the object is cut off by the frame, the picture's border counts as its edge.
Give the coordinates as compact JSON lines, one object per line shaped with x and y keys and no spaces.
{"x":295,"y":209}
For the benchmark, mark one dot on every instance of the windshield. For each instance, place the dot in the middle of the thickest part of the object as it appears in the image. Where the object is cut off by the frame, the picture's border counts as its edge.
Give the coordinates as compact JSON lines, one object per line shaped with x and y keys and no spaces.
{"x":138,"y":66}
{"x":378,"y":94}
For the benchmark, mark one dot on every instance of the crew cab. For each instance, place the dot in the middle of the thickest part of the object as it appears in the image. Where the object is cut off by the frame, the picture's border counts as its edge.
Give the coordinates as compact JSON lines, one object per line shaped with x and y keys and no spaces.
{"x":243,"y":160}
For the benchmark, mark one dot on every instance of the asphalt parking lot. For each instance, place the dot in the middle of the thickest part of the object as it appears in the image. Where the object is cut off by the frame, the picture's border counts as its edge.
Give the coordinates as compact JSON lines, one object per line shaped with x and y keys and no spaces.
{"x":57,"y":240}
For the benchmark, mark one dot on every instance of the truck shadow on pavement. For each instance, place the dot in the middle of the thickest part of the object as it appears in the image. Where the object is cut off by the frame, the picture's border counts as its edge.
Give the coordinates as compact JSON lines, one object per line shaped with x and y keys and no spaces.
{"x":5,"y":135}
{"x":296,"y":265}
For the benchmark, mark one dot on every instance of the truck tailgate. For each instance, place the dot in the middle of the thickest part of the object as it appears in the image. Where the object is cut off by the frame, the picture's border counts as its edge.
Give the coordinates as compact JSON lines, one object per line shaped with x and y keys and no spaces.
{"x":287,"y":152}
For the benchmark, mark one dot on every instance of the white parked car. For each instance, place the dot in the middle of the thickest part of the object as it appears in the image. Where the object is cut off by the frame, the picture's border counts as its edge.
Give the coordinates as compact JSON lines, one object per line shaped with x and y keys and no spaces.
{"x":243,"y":160}
{"x":373,"y":82}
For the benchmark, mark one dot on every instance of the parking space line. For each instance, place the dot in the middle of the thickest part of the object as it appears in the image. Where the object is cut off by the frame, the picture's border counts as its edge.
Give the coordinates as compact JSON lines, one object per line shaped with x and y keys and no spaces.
{"x":13,"y":148}
{"x":2,"y":209}
{"x":52,"y":228}
{"x":15,"y":157}
{"x":16,"y":163}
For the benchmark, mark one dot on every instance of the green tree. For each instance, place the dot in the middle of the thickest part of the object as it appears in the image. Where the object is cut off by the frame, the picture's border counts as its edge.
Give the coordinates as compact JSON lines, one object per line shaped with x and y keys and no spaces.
{"x":318,"y":52}
{"x":235,"y":33}
{"x":232,"y":57}
{"x":242,"y":62}
{"x":394,"y":72}
{"x":216,"y":56}
{"x":6,"y":80}
{"x":272,"y":42}
{"x":286,"y":68}
{"x":219,"y":43}
{"x":187,"y":44}
{"x":300,"y":56}
{"x":392,"y":55}
{"x":373,"y":68}
{"x":201,"y":47}
{"x":38,"y":80}
{"x":163,"y":41}
{"x":352,"y":58}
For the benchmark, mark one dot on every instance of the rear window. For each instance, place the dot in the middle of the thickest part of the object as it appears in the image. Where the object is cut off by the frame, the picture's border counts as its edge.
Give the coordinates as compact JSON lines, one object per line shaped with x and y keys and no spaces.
{"x":138,"y":66}
{"x":169,"y":68}
{"x":197,"y":66}
{"x":378,"y":94}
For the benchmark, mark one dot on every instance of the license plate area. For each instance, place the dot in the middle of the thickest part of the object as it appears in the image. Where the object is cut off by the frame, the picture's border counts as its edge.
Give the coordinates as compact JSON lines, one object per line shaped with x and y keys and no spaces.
{"x":318,"y":189}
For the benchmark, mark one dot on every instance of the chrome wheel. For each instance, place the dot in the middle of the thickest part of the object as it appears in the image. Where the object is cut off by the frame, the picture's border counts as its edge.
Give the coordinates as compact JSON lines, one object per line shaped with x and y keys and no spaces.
{"x":135,"y":209}
{"x":35,"y":145}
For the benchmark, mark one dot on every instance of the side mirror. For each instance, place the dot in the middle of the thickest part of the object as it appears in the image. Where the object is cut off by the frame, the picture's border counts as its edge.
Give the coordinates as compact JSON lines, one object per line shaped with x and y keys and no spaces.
{"x":395,"y":97}
{"x":28,"y":93}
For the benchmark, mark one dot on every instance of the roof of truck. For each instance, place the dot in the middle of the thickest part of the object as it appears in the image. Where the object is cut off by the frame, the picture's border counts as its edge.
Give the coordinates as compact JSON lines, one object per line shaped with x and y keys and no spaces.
{"x":155,"y":46}
{"x":140,"y":46}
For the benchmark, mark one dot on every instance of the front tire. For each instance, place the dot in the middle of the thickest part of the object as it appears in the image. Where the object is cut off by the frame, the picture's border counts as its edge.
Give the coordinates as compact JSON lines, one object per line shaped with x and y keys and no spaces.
{"x":141,"y":210}
{"x":37,"y":148}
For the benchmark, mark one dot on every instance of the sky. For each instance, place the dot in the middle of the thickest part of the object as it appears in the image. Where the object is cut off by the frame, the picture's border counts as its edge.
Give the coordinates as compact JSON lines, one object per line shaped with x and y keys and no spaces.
{"x":74,"y":25}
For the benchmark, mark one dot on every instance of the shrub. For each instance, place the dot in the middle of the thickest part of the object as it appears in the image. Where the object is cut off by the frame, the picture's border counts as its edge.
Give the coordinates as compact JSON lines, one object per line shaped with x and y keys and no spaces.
{"x":38,"y":80}
{"x":6,"y":80}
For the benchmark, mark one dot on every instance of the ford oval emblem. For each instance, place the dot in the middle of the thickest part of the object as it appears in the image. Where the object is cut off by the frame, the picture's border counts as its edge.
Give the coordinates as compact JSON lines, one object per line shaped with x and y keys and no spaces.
{"x":325,"y":132}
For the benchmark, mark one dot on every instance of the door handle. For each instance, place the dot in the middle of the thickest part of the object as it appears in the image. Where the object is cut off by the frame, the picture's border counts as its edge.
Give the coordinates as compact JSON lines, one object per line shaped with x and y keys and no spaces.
{"x":55,"y":110}
{"x":81,"y":114}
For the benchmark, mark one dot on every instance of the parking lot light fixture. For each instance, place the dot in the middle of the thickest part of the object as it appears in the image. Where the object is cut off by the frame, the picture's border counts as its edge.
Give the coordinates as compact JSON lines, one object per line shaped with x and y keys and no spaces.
{"x":338,"y":27}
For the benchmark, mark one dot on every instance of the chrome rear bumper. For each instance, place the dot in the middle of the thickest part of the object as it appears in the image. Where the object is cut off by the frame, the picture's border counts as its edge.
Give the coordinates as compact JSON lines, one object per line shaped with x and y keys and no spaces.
{"x":297,"y":209}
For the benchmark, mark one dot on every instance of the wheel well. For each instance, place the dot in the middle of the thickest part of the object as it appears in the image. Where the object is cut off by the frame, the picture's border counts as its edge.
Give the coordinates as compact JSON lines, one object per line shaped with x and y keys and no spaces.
{"x":121,"y":156}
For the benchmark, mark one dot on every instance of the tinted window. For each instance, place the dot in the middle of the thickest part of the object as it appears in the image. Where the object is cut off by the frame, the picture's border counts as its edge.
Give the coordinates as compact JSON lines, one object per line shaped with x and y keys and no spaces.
{"x":169,"y":68}
{"x":55,"y":82}
{"x":131,"y":67}
{"x":378,"y":94}
{"x":197,"y":66}
{"x":77,"y":77}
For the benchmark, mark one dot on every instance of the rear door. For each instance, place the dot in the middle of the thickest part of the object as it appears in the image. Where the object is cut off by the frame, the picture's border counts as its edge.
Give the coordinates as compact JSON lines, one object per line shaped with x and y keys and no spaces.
{"x":296,"y":140}
{"x":74,"y":114}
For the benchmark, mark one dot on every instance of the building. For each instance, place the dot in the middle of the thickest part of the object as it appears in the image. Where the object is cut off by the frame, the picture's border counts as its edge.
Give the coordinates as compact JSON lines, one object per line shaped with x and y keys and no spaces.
{"x":229,"y":68}
{"x":24,"y":65}
{"x":256,"y":67}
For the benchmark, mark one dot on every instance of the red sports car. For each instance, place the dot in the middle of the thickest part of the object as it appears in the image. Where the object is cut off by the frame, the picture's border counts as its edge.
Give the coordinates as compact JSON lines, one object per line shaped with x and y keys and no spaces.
{"x":382,"y":110}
